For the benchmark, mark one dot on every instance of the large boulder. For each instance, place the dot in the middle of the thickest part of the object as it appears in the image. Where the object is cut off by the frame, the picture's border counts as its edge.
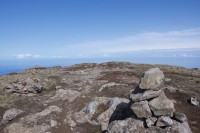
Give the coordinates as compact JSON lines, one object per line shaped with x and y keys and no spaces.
{"x":141,"y":109}
{"x":152,"y":79}
{"x":92,"y":110}
{"x":149,"y":94}
{"x":157,"y":130}
{"x":105,"y":117}
{"x":162,"y":106}
{"x":101,"y":111}
{"x":180,"y":127}
{"x":21,"y":128}
{"x":128,"y":125}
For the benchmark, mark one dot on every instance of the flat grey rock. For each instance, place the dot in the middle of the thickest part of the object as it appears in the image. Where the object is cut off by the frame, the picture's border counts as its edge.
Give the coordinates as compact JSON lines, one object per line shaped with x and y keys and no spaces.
{"x":145,"y":95}
{"x":180,"y":127}
{"x":104,"y":118}
{"x":180,"y":117}
{"x":151,"y":121}
{"x":128,"y":125}
{"x":141,"y":109}
{"x":162,"y":106}
{"x":152,"y":79}
{"x":164,"y":121}
{"x":11,"y":114}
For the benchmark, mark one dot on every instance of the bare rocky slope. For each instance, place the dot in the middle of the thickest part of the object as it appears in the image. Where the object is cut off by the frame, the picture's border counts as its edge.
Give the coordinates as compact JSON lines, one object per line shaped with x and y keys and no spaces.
{"x":94,"y":98}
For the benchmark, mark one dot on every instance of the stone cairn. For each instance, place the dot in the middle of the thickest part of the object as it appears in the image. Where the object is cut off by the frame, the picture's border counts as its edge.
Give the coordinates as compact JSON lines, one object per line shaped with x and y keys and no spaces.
{"x":24,"y":86}
{"x":149,"y":103}
{"x":147,"y":111}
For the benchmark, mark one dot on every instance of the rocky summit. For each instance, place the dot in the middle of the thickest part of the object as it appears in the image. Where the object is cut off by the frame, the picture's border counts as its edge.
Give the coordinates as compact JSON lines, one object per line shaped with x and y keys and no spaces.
{"x":112,"y":97}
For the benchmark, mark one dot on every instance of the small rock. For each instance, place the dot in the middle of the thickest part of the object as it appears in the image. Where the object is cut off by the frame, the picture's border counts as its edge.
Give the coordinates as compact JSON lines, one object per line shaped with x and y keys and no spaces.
{"x":162,"y":106}
{"x":58,"y":87}
{"x":71,"y":123}
{"x":141,"y":109}
{"x":152,"y":79}
{"x":11,"y":114}
{"x":145,"y":95}
{"x":180,"y":117}
{"x":53,"y":123}
{"x":193,"y":101}
{"x":82,"y":72}
{"x":151,"y":121}
{"x":37,"y":88}
{"x":167,"y":80}
{"x":170,"y":89}
{"x":164,"y":121}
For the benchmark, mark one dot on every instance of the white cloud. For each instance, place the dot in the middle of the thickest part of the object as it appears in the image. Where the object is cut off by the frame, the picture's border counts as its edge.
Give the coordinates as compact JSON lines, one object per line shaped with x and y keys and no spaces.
{"x":189,"y":38}
{"x":27,"y":55}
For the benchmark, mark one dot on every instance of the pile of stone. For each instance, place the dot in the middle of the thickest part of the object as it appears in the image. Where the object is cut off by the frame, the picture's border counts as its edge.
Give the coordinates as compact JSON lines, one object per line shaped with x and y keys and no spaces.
{"x":148,"y":110}
{"x":24,"y":86}
{"x":150,"y":105}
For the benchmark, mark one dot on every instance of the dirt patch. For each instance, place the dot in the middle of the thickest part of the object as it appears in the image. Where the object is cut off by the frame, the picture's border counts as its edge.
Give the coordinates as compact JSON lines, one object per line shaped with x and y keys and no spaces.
{"x":2,"y":111}
{"x":119,"y":76}
{"x":117,"y":91}
{"x":81,"y":66}
{"x":30,"y":105}
{"x":40,"y":68}
{"x":186,"y":83}
{"x":87,"y":128}
{"x":182,"y":105}
{"x":77,"y":81}
{"x":54,"y":77}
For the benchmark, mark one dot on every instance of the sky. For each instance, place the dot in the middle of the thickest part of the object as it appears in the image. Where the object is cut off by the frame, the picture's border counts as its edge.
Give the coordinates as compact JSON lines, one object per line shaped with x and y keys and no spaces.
{"x":95,"y":28}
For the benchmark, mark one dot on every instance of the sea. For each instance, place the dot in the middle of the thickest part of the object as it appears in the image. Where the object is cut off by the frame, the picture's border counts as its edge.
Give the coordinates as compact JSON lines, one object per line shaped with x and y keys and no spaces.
{"x":17,"y":65}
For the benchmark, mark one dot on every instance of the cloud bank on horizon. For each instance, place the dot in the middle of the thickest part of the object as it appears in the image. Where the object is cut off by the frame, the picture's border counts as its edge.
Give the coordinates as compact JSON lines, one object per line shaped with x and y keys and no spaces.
{"x":27,"y":55}
{"x":176,"y":39}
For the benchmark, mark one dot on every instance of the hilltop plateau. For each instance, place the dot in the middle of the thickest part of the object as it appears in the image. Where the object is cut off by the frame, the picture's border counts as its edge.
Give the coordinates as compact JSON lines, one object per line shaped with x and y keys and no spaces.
{"x":108,"y":97}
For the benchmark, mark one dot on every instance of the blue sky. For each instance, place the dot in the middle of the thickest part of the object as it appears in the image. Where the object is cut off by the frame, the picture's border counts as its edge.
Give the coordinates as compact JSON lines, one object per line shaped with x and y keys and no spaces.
{"x":95,"y":28}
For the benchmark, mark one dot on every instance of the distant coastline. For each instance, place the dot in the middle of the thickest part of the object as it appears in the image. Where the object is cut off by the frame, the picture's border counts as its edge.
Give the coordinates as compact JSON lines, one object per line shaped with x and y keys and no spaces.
{"x":13,"y":65}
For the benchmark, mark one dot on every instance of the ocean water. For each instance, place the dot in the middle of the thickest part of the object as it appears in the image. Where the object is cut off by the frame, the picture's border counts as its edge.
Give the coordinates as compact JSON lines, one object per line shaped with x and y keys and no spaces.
{"x":13,"y":65}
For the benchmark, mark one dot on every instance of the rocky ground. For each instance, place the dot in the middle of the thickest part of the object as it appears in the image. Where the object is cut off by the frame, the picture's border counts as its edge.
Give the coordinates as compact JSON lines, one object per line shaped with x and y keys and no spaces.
{"x":91,"y":98}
